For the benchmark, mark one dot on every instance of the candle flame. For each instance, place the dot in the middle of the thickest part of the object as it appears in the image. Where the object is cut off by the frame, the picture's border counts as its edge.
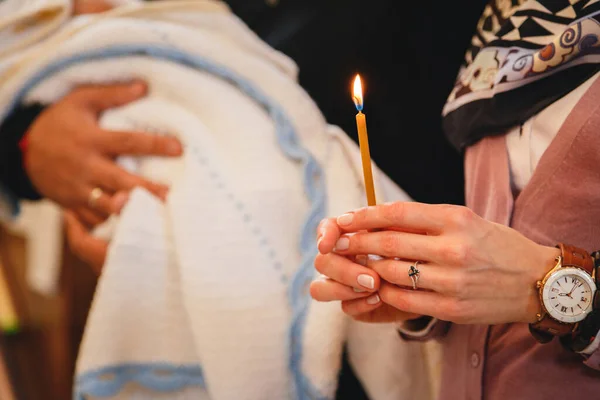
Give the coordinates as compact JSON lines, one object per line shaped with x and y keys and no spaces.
{"x":357,"y":94}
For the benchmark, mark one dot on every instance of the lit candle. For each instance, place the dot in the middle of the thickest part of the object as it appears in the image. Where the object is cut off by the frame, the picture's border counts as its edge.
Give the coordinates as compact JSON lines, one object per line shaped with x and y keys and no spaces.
{"x":363,"y":141}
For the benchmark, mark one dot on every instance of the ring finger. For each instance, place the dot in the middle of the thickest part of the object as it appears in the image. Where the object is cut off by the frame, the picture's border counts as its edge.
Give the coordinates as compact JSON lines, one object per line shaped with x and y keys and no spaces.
{"x":98,"y":201}
{"x":430,"y":276}
{"x":116,"y":179}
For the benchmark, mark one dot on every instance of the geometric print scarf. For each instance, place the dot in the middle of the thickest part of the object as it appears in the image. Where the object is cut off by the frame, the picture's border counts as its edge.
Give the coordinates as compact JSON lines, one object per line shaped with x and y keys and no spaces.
{"x":524,"y":56}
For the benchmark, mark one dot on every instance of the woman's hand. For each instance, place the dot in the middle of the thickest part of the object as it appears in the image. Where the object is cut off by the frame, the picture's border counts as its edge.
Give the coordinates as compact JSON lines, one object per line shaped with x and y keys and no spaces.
{"x":349,"y":280}
{"x":471,"y":270}
{"x":68,"y":154}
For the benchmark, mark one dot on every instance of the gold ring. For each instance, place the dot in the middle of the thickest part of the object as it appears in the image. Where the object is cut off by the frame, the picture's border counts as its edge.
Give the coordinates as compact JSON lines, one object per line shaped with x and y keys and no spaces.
{"x":95,"y":195}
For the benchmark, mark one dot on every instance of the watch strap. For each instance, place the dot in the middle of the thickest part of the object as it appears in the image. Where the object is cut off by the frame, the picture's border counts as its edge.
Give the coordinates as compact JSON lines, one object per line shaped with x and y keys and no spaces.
{"x":575,"y":257}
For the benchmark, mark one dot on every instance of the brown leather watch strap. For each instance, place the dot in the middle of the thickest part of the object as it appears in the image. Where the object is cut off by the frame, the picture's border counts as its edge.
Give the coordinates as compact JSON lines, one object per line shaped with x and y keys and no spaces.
{"x":545,"y":329}
{"x":575,"y":257}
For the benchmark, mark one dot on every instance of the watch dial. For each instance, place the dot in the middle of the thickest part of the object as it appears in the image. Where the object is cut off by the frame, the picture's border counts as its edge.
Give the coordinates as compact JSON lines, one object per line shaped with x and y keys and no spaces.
{"x":569,"y":296}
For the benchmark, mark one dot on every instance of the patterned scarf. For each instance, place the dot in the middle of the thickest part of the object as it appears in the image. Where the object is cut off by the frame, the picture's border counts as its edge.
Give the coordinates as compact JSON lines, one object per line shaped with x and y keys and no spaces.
{"x":524,"y":56}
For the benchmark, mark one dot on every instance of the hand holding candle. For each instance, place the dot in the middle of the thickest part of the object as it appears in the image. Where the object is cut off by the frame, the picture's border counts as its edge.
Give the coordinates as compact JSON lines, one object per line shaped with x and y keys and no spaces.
{"x":363,"y":141}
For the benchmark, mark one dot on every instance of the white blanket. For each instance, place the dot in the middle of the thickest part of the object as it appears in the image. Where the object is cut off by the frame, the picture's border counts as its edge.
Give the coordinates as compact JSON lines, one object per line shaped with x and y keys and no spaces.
{"x":205,"y":296}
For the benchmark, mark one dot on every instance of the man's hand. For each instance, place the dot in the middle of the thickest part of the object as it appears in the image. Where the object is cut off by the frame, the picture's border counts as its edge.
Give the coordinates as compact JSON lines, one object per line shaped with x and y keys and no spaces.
{"x":68,"y":154}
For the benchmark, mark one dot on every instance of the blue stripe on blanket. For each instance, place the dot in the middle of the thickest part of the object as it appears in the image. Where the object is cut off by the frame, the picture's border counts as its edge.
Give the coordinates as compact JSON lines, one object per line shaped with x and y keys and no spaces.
{"x":179,"y":377}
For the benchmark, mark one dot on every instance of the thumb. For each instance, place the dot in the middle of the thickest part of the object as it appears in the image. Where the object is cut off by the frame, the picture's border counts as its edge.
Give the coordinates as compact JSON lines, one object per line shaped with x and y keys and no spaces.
{"x":100,"y":98}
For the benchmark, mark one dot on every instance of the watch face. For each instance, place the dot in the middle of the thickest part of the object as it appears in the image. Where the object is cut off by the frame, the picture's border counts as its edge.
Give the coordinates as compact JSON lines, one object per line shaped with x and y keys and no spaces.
{"x":568,"y":295}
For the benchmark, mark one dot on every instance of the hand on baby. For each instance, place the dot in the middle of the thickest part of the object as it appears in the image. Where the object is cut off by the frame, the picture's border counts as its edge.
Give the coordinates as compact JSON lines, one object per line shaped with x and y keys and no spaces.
{"x":68,"y":155}
{"x":471,"y":270}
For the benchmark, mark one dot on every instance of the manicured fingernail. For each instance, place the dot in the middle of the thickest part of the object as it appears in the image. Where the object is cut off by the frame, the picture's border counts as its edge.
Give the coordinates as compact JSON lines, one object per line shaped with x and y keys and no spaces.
{"x":366,"y":281}
{"x":345,"y":219}
{"x":343,"y":243}
{"x":359,"y":290}
{"x":173,"y":147}
{"x":373,"y":299}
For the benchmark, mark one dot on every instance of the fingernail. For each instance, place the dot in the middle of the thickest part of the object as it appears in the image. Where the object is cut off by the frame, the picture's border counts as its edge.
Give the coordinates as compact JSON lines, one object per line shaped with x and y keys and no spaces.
{"x":343,"y":243}
{"x":173,"y":147}
{"x":366,"y":281}
{"x":345,"y":219}
{"x":359,"y":290}
{"x":373,"y":299}
{"x":319,"y":242}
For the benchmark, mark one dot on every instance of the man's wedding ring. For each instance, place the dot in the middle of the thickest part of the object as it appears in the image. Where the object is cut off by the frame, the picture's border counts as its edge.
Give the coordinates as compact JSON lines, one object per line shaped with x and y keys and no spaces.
{"x":95,"y":195}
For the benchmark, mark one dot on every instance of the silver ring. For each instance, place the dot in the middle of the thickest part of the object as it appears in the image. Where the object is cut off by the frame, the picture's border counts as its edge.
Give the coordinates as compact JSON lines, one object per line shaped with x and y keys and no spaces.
{"x":95,"y":195}
{"x":413,"y":274}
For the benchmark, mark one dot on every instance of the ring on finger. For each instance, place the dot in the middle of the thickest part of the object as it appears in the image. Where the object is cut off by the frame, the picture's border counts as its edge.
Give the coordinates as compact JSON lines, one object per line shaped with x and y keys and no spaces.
{"x":94,"y":196}
{"x":413,"y":274}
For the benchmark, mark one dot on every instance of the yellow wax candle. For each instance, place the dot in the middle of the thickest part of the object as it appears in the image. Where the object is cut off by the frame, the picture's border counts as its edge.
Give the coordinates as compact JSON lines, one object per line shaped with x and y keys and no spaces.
{"x":363,"y":142}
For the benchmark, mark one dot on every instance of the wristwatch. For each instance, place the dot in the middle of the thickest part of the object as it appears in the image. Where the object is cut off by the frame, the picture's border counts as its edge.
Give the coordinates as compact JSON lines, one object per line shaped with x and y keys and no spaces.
{"x":566,"y":294}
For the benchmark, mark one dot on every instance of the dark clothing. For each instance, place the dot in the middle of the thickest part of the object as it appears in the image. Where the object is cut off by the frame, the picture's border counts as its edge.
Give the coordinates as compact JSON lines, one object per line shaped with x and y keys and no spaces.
{"x":12,"y":173}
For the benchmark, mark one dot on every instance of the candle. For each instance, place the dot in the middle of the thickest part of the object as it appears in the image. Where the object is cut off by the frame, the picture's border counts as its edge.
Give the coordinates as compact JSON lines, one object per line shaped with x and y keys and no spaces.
{"x":363,"y":141}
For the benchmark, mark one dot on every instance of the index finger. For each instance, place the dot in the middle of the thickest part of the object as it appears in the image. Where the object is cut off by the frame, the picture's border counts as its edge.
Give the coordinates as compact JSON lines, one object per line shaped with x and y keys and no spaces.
{"x":406,"y":216}
{"x":116,"y":143}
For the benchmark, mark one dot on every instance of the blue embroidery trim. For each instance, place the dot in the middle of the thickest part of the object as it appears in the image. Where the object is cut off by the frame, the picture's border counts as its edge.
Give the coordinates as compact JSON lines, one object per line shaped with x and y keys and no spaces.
{"x":314,"y":186}
{"x":160,"y":377}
